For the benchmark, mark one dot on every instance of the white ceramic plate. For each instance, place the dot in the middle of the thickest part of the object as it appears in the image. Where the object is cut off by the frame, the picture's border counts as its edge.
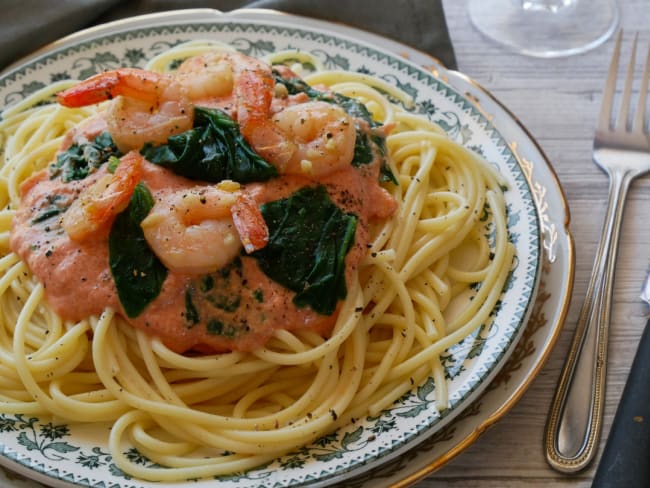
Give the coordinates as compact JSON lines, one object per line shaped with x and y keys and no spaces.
{"x":73,"y":455}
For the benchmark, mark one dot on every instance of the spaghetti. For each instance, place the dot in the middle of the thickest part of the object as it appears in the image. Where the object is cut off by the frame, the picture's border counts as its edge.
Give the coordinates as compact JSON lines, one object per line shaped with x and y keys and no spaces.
{"x":215,"y":414}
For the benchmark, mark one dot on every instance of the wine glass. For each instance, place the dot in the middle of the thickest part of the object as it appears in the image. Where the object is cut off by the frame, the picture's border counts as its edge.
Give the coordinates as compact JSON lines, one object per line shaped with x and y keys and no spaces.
{"x":546,"y":28}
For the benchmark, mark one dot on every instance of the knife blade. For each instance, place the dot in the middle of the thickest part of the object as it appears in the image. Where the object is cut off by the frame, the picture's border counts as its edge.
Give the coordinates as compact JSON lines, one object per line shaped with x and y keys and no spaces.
{"x":626,"y":457}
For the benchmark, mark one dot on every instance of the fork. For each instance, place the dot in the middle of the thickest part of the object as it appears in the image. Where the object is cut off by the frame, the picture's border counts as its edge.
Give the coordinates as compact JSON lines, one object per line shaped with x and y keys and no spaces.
{"x":622,"y":150}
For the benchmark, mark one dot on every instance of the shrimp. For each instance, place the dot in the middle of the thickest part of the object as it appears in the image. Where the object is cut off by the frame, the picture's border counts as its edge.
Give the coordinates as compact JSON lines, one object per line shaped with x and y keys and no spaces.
{"x":146,"y":106}
{"x":201,"y":229}
{"x":244,"y":86}
{"x":99,"y":203}
{"x":323,"y":137}
{"x":208,"y":78}
{"x":310,"y":138}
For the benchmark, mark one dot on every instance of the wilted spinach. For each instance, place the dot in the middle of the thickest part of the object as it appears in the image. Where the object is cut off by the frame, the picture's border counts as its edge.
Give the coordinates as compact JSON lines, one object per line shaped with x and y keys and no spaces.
{"x":80,"y":160}
{"x":309,"y":237}
{"x":137,"y":272}
{"x":214,"y":150}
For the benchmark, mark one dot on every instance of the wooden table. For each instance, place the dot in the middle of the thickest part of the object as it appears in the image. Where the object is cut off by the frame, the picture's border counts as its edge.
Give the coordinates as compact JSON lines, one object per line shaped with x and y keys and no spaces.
{"x":558,"y":101}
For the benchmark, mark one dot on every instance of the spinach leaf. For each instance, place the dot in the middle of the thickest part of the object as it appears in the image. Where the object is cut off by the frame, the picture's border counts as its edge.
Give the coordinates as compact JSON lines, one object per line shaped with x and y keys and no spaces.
{"x":365,"y":143}
{"x":386,"y":175}
{"x":53,"y":205}
{"x":309,"y":237}
{"x":362,"y":149}
{"x":80,"y":160}
{"x":219,"y":328}
{"x":137,"y":272}
{"x":214,"y":150}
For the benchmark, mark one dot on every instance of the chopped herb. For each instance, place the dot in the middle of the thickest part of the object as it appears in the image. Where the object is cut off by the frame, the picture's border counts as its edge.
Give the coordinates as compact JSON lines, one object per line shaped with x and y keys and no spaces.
{"x":80,"y":160}
{"x":216,"y":327}
{"x":137,"y":272}
{"x":191,"y":313}
{"x":46,"y":214}
{"x":207,"y":283}
{"x":309,"y":237}
{"x":214,"y":150}
{"x":52,"y":206}
{"x":224,"y":302}
{"x":258,"y":295}
{"x":234,"y":265}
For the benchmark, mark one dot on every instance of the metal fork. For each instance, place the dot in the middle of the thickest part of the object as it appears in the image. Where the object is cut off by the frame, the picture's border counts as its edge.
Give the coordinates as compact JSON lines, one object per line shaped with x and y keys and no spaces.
{"x":622,"y":150}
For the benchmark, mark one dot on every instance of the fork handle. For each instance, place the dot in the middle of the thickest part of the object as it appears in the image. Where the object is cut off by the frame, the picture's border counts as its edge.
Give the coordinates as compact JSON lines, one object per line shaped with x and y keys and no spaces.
{"x":574,"y":423}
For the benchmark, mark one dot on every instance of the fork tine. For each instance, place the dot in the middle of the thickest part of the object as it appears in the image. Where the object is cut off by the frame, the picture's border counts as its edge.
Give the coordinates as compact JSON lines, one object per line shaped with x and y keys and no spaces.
{"x":641,"y":117}
{"x":606,"y":105}
{"x":624,"y":113}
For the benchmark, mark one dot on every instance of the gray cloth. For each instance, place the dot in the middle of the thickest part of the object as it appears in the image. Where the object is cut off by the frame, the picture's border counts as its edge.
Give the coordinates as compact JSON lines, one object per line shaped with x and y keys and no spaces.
{"x":26,"y":25}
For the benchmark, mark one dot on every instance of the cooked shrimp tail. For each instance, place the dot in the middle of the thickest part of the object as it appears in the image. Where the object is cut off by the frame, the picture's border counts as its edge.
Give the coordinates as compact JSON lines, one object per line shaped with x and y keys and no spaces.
{"x":254,"y":90}
{"x":99,"y":203}
{"x":249,"y":223}
{"x":129,"y":82}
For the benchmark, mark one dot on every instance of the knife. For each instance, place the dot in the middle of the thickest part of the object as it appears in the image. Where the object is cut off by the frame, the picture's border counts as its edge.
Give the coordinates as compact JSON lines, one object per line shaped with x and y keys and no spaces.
{"x":626,"y":459}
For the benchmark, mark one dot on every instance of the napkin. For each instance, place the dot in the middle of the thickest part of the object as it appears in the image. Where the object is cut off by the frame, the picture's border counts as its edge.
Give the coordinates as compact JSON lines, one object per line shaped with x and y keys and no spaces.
{"x":26,"y":25}
{"x":625,"y":459}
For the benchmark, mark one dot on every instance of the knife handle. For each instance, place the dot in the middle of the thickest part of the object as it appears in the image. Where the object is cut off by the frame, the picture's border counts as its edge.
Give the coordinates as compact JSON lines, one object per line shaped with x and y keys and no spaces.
{"x":626,"y":459}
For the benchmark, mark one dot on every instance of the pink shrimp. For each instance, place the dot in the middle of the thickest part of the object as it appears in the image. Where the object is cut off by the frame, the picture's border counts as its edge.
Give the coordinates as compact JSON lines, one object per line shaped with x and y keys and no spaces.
{"x":245,"y":86}
{"x":310,"y":139}
{"x":99,"y":203}
{"x":146,"y":106}
{"x":201,"y":229}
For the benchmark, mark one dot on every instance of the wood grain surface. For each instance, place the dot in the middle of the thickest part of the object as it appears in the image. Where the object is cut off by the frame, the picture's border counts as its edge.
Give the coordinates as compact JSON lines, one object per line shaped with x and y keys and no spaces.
{"x":558,"y":101}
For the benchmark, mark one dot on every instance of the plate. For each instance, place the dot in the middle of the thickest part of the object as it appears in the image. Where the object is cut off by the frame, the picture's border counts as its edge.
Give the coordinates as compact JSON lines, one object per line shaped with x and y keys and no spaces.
{"x":70,"y":455}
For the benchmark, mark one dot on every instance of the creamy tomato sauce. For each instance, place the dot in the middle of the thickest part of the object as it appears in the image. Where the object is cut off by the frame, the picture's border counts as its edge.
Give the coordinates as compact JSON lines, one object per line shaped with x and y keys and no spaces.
{"x":235,"y":308}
